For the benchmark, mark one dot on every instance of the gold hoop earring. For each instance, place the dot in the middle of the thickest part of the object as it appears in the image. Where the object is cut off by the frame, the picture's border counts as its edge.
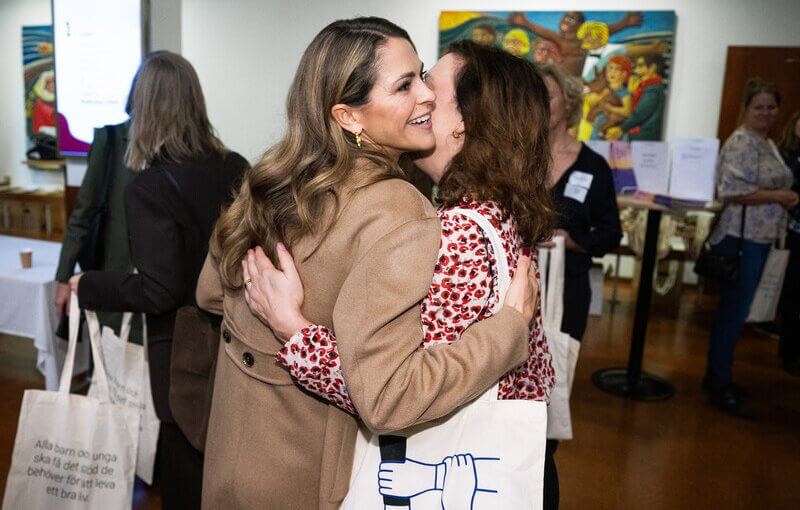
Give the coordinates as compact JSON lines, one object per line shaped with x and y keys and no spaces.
{"x":358,"y":139}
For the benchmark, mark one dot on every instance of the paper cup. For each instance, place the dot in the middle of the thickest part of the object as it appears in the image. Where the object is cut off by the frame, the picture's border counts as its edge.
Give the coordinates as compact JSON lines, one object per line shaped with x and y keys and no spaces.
{"x":26,"y":258}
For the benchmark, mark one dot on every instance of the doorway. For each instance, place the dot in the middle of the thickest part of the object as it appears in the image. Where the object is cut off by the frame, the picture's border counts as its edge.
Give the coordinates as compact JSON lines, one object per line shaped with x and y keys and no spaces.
{"x":780,"y":65}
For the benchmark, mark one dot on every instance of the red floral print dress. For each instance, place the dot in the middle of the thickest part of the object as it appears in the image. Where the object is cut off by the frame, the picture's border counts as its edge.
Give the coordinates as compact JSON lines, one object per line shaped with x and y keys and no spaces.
{"x":461,"y":294}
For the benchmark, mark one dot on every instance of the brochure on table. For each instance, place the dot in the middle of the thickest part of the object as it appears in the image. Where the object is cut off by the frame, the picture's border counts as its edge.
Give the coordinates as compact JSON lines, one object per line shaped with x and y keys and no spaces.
{"x":682,"y":172}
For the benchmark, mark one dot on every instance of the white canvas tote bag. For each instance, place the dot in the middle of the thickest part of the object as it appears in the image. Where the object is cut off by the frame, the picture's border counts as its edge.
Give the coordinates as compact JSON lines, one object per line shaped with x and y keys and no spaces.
{"x":129,"y":384}
{"x":488,"y":454}
{"x":563,"y":348}
{"x":73,"y":452}
{"x":768,"y":294}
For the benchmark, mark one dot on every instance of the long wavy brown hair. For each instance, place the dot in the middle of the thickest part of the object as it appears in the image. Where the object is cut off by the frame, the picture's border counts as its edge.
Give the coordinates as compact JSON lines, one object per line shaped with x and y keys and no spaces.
{"x":286,"y":195}
{"x":169,"y":119}
{"x":506,"y":154}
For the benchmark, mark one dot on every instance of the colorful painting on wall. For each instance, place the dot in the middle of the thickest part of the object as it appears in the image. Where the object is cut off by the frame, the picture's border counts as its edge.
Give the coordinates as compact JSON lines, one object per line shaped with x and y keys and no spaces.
{"x":40,"y":91}
{"x":624,"y":60}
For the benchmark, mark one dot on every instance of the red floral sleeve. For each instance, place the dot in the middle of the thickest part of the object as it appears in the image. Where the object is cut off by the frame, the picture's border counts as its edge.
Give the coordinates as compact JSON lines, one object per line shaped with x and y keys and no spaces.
{"x":313,"y":360}
{"x":461,"y":294}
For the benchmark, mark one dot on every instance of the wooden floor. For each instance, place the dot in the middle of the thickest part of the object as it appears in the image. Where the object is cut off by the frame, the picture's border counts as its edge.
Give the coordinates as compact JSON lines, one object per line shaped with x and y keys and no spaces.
{"x":676,"y":454}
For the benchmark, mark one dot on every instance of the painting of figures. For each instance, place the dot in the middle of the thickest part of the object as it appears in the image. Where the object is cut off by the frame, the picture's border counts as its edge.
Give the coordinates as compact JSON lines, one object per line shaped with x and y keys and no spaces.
{"x":40,"y":91}
{"x":623,"y":59}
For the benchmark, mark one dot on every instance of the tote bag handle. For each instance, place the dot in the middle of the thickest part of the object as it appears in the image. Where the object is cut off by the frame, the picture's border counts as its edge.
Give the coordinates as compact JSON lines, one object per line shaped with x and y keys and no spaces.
{"x":554,"y":310}
{"x":94,"y":339}
{"x":500,"y":255}
{"x":125,"y":328}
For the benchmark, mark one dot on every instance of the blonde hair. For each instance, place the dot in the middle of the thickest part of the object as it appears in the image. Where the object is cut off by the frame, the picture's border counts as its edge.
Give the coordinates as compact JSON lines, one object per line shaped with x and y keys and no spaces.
{"x":570,"y":87}
{"x":597,"y":29}
{"x":288,"y":193}
{"x":519,"y":35}
{"x":168,"y":113}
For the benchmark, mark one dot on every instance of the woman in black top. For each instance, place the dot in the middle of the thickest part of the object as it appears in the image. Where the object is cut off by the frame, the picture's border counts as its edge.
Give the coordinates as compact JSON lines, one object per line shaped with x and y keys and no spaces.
{"x":589,"y":222}
{"x":584,"y":198}
{"x":185,"y":176}
{"x":585,"y":201}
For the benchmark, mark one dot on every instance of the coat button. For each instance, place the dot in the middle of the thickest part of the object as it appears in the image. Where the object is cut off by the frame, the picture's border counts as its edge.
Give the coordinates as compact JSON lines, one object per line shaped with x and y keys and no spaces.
{"x":226,"y":336}
{"x":248,"y":360}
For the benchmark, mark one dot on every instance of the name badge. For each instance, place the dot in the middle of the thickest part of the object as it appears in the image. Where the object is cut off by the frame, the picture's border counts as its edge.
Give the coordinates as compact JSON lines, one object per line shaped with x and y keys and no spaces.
{"x":575,"y":192}
{"x":581,"y":179}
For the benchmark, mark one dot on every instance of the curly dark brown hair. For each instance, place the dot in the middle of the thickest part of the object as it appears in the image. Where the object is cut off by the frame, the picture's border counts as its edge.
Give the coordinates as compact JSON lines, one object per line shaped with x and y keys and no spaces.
{"x":506,"y":155}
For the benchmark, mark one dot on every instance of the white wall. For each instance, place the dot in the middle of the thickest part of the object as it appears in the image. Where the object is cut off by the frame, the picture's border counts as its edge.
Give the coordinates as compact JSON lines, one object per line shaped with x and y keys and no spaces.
{"x":246,"y":51}
{"x":14,"y":14}
{"x":165,"y":25}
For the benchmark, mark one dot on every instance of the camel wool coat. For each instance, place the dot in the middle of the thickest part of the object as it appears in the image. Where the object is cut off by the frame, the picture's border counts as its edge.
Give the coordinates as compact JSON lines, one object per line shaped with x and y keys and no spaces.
{"x":273,"y":446}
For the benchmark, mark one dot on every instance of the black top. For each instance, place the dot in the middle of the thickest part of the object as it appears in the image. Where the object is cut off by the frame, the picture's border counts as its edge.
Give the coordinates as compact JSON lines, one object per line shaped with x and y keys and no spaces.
{"x":168,"y":238}
{"x":793,"y":162}
{"x":586,"y":205}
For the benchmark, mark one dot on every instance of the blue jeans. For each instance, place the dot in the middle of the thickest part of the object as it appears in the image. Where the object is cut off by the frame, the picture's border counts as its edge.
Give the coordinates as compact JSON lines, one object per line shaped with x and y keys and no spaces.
{"x":734,"y":306}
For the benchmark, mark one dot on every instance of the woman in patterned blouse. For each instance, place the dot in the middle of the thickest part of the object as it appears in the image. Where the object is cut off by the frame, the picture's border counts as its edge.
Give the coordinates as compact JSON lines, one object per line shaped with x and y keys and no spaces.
{"x":490,"y":125}
{"x":754,"y":182}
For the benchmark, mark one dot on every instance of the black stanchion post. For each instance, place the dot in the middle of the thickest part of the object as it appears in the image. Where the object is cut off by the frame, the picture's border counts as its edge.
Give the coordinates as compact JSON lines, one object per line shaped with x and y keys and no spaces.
{"x":632,"y":382}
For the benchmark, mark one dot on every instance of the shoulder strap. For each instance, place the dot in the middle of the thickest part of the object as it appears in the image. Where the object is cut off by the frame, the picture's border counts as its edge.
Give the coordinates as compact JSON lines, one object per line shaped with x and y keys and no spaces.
{"x":501,"y":257}
{"x":108,"y":171}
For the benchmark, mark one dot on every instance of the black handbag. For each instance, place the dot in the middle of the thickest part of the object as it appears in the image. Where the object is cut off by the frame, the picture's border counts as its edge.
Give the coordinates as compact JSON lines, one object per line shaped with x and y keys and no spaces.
{"x":90,"y":256}
{"x":723,"y":268}
{"x":45,"y":148}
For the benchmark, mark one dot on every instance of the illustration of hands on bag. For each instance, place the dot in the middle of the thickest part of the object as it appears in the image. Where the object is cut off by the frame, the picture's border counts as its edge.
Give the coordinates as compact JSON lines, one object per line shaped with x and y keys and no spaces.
{"x":457,"y":477}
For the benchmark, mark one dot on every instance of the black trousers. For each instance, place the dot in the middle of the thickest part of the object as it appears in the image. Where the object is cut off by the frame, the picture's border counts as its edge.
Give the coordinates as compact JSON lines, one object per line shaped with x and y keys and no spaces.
{"x":180,"y":470}
{"x":789,"y":346}
{"x":577,"y":298}
{"x":551,"y":490}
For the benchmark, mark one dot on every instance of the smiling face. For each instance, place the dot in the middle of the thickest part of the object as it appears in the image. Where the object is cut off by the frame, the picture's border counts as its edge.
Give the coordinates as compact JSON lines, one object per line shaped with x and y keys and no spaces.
{"x":396,"y":118}
{"x":761,"y":113}
{"x":645,"y":71}
{"x":615,"y":75}
{"x":448,"y":126}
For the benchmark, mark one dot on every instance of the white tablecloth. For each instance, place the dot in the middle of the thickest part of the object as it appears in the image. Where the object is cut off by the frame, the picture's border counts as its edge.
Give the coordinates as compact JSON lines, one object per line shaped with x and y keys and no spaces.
{"x":27,"y":308}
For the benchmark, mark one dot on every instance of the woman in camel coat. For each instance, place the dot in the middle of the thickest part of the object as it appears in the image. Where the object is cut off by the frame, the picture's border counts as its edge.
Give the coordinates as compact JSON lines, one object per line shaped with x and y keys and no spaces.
{"x":366,"y":244}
